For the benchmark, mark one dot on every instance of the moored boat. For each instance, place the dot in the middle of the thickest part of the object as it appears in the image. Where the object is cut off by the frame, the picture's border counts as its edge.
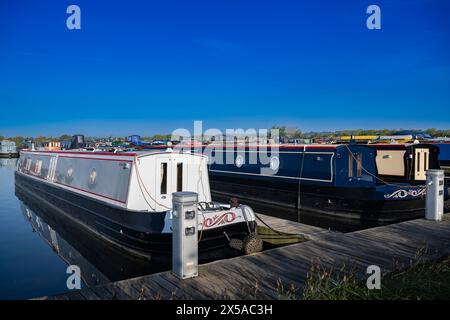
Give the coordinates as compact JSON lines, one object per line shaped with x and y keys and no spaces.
{"x":339,"y":180}
{"x":444,"y":155}
{"x":8,"y":149}
{"x":126,"y":197}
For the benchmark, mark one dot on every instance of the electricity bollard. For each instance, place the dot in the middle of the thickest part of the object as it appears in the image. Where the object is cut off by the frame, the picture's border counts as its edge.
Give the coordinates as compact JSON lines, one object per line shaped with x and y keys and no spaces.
{"x":184,"y":235}
{"x":434,"y":202}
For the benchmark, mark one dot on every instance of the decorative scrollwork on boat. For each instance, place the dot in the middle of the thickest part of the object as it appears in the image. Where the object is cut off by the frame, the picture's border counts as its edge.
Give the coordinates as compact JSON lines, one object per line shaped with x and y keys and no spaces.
{"x":219,"y":219}
{"x":402,"y":193}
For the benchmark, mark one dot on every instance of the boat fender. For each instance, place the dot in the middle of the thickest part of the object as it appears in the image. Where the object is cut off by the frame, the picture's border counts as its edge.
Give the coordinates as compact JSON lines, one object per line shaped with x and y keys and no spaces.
{"x":236,"y":244}
{"x":252,"y":243}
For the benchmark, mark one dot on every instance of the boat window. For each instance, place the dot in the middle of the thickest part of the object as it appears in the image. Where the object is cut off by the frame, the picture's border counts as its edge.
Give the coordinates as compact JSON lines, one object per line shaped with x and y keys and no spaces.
{"x":418,"y":161}
{"x":28,"y":164}
{"x":350,"y":165}
{"x":163,"y":189}
{"x":38,"y":167}
{"x":179,"y":177}
{"x":359,"y":164}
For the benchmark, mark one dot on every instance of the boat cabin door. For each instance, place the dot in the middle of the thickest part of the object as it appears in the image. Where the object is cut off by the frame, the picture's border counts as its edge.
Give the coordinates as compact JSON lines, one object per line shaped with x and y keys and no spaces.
{"x":421,"y":156}
{"x":170,"y":177}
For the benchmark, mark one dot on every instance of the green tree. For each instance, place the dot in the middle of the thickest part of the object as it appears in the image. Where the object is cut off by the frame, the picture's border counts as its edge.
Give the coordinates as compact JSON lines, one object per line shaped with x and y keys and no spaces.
{"x":65,"y":137}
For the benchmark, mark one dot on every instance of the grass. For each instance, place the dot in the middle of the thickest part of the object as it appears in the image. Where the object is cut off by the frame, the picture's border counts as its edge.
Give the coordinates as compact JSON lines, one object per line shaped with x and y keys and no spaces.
{"x":422,"y":281}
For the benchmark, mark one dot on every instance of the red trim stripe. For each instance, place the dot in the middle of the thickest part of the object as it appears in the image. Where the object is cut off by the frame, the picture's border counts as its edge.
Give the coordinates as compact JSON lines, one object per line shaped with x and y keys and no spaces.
{"x":102,"y":159}
{"x":281,"y":146}
{"x":82,"y":152}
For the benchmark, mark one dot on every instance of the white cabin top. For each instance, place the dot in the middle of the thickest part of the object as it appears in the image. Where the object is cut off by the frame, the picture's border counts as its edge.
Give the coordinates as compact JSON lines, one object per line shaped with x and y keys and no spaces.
{"x":137,"y":180}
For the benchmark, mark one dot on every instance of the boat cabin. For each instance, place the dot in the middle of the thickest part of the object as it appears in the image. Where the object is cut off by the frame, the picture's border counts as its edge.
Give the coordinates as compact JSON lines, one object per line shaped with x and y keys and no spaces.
{"x":405,"y":162}
{"x":335,"y":165}
{"x":132,"y":180}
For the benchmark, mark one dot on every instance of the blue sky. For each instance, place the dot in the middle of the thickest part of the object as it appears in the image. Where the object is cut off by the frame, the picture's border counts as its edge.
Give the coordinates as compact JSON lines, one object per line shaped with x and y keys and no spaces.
{"x":153,"y":66}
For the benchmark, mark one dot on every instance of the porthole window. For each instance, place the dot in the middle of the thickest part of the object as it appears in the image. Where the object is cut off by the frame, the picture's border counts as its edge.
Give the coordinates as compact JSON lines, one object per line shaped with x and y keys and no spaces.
{"x":274,"y":163}
{"x":70,"y":172}
{"x":93,"y":177}
{"x":239,"y":162}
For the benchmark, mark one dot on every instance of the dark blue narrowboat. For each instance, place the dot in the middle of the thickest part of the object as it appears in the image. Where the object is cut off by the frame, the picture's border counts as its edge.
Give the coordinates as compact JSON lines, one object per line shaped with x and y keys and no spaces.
{"x":444,"y":156}
{"x":337,"y":180}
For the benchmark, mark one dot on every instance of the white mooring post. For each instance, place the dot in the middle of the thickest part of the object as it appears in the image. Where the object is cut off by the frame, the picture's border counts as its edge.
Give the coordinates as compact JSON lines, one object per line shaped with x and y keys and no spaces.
{"x":434,"y":203}
{"x":184,"y":235}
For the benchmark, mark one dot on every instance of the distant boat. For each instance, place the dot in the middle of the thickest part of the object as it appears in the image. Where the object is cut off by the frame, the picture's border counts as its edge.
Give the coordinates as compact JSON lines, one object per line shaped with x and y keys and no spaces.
{"x":444,"y":154}
{"x":8,"y":149}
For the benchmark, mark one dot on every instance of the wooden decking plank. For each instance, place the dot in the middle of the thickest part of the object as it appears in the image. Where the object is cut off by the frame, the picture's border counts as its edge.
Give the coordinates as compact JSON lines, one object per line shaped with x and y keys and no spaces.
{"x":227,"y":290}
{"x":278,"y":275}
{"x":151,"y":292}
{"x":363,"y":256}
{"x":75,"y":295}
{"x":165,"y":285}
{"x":254,"y":277}
{"x":127,"y":287}
{"x":240,"y":277}
{"x":89,"y":294}
{"x":189,"y":285}
{"x":236,"y":282}
{"x":289,"y":272}
{"x":402,"y":244}
{"x":390,"y":247}
{"x":117,"y":292}
{"x":102,"y":292}
{"x":203,"y":279}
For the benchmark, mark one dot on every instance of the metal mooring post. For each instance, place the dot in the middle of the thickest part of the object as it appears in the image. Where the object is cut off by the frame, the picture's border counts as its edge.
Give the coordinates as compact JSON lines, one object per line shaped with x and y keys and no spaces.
{"x":184,"y":235}
{"x":434,"y":202}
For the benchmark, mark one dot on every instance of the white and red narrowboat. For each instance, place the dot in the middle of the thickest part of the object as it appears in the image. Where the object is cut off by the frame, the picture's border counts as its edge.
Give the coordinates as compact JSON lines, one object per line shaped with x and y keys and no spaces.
{"x":126,"y":197}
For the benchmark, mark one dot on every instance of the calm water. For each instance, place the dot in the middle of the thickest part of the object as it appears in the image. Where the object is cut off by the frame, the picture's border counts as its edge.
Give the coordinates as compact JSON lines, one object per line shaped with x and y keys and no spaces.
{"x":36,"y":246}
{"x":28,"y":266}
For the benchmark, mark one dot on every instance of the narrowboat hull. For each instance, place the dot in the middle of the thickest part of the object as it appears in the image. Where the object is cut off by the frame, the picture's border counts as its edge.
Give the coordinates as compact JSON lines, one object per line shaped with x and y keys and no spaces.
{"x":9,"y":154}
{"x":444,"y":156}
{"x":322,"y":180}
{"x":363,"y":204}
{"x":134,"y":232}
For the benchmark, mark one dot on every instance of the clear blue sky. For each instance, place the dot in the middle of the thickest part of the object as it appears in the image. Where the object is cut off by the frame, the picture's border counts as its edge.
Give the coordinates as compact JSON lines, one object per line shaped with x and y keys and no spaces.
{"x":152,"y":66}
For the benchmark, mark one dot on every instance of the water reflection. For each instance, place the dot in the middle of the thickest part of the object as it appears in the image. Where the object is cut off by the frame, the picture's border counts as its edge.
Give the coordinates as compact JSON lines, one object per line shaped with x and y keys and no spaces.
{"x":99,"y":263}
{"x":8,"y":163}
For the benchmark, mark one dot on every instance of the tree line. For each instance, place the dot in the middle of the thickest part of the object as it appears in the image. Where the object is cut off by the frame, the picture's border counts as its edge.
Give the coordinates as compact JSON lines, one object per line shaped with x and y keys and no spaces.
{"x":284,"y":131}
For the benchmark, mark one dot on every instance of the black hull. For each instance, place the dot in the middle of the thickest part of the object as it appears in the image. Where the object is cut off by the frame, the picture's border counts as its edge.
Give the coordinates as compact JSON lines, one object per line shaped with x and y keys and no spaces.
{"x":9,"y":155}
{"x":136,"y":233}
{"x":345,"y":203}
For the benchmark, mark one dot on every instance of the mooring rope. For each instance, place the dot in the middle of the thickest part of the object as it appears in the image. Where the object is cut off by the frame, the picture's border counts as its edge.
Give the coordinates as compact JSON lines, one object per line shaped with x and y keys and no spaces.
{"x":294,"y":235}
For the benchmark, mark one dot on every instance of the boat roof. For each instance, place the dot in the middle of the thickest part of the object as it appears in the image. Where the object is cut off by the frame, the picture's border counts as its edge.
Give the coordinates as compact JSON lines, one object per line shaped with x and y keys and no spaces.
{"x":130,"y":153}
